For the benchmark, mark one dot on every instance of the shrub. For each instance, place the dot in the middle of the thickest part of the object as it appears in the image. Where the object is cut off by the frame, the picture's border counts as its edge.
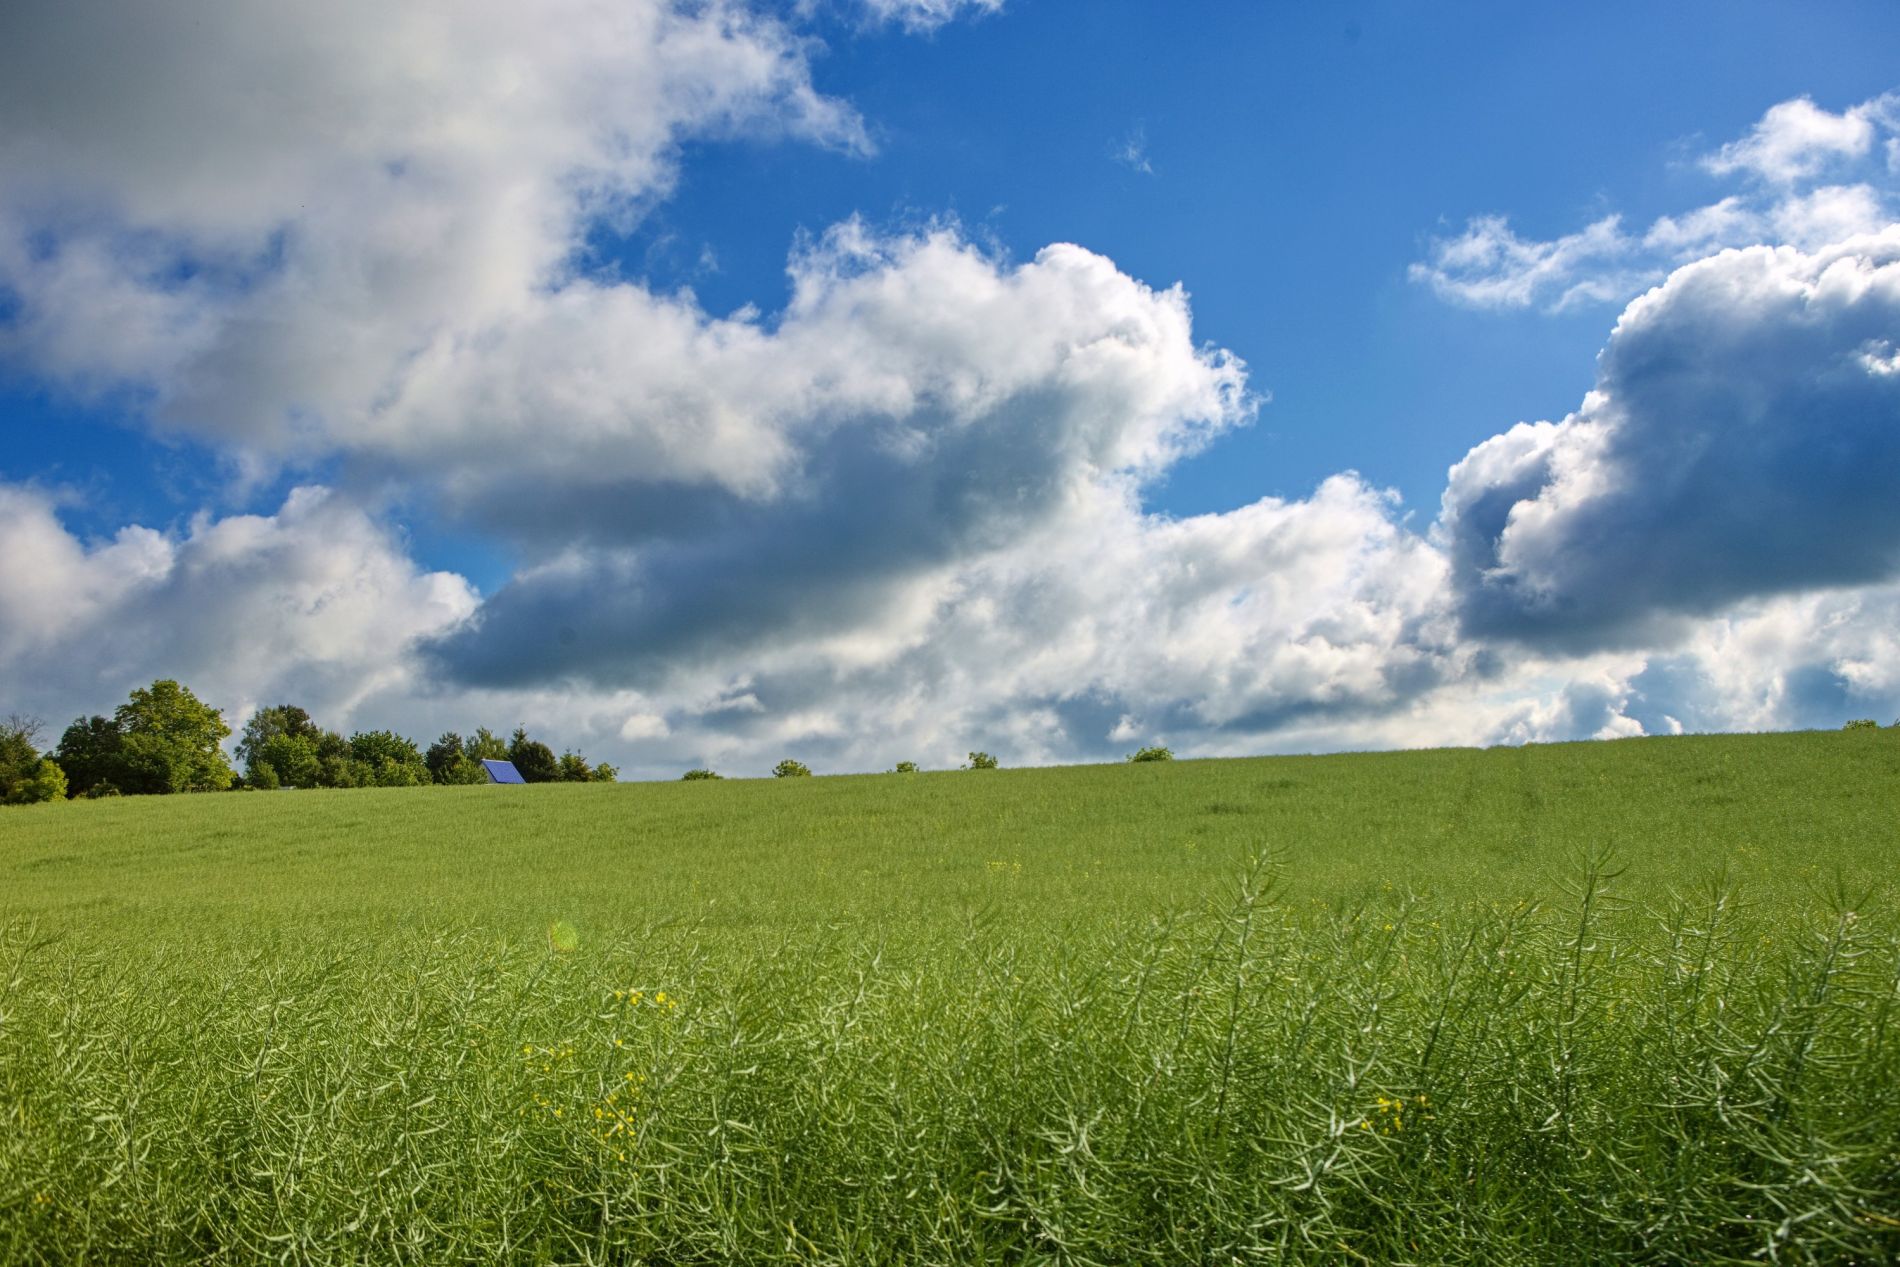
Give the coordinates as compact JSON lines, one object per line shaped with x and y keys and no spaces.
{"x":790,"y":769}
{"x":1153,"y":754}
{"x":46,"y":782}
{"x":693,"y":775}
{"x":981,"y":761}
{"x":905,"y":767}
{"x":1862,"y":723}
{"x":99,"y":791}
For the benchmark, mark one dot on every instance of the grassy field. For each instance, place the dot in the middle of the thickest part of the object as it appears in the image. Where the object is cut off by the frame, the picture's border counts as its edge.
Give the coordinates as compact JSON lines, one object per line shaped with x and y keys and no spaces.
{"x":1616,"y":1002}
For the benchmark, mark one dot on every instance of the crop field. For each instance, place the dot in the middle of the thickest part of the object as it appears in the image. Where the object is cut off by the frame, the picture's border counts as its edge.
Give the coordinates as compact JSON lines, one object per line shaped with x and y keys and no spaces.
{"x":1613,"y":1002}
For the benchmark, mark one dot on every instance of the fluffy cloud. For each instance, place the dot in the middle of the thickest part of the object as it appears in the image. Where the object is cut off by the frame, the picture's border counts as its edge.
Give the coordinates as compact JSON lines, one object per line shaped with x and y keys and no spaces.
{"x":1489,"y":265}
{"x":264,"y":218}
{"x":315,"y":602}
{"x":1743,"y":440}
{"x":1797,"y":139}
{"x":1215,"y":631}
{"x":919,"y":406}
{"x":904,"y":516}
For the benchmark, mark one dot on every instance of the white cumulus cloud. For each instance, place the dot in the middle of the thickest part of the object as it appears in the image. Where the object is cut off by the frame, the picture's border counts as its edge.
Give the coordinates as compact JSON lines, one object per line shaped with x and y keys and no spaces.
{"x":1489,"y":265}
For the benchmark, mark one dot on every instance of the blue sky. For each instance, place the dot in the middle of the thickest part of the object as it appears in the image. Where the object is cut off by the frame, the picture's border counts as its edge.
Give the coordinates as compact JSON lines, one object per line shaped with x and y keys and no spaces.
{"x":510,"y":310}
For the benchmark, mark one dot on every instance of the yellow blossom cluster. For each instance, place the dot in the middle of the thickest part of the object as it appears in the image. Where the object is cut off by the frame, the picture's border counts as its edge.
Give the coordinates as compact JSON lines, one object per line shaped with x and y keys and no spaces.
{"x":1388,"y":1115}
{"x":639,"y":998}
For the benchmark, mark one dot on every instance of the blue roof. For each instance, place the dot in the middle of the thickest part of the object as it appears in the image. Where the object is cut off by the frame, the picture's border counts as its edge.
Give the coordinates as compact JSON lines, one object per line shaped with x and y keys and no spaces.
{"x":502,"y":772}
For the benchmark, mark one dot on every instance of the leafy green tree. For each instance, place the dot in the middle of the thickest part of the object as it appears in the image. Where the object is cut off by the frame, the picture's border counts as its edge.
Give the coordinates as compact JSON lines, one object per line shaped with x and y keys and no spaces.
{"x":1862,"y":723}
{"x":604,"y":773}
{"x":285,"y":760}
{"x":171,"y":742}
{"x":486,"y":745}
{"x":449,"y":762}
{"x":790,"y":769}
{"x":91,"y":752}
{"x":19,"y":748}
{"x":905,"y":767}
{"x":335,"y":767}
{"x":278,"y":747}
{"x":573,"y":768}
{"x":26,"y":778}
{"x":981,"y":761}
{"x":1153,"y":754}
{"x":386,"y":759}
{"x":534,"y":759}
{"x":268,"y":723}
{"x":692,"y":776}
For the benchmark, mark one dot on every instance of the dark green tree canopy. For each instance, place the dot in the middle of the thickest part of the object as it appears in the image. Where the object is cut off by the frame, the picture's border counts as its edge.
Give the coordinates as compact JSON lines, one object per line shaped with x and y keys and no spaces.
{"x":534,"y":759}
{"x":449,"y":761}
{"x":279,"y":748}
{"x":90,"y":753}
{"x":387,"y":759}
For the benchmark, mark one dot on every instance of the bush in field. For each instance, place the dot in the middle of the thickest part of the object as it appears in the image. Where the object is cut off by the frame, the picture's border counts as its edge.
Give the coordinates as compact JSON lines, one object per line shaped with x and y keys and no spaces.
{"x":981,"y":761}
{"x":1153,"y":754}
{"x":692,"y":776}
{"x":790,"y":769}
{"x":905,"y":767}
{"x":1862,"y":723}
{"x":47,"y":783}
{"x":573,"y":768}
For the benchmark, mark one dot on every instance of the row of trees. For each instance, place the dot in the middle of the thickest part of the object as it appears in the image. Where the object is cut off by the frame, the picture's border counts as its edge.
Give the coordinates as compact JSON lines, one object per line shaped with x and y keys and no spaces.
{"x":165,"y":739}
{"x":283,"y":747}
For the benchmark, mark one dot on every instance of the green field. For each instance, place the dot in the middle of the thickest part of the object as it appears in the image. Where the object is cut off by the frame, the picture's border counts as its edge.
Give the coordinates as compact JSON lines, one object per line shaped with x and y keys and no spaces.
{"x":1388,"y":1008}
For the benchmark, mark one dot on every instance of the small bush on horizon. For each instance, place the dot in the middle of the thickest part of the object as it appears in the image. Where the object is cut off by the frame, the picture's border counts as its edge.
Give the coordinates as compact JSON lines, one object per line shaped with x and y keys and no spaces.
{"x":694,"y":775}
{"x":981,"y":761}
{"x":1153,"y":754}
{"x":1862,"y":723}
{"x":790,"y":769}
{"x":904,"y":767}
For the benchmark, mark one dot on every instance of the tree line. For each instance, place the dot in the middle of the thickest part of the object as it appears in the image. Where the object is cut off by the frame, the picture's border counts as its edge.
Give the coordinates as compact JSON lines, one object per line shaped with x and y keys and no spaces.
{"x":165,"y":739}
